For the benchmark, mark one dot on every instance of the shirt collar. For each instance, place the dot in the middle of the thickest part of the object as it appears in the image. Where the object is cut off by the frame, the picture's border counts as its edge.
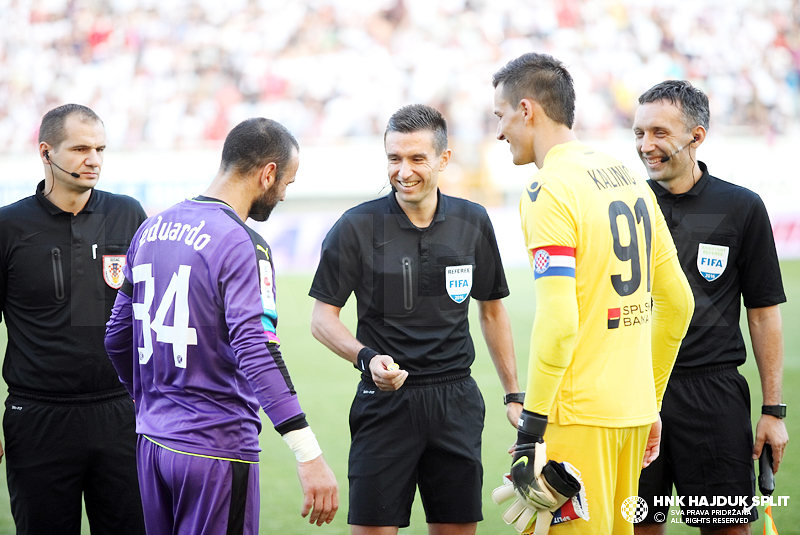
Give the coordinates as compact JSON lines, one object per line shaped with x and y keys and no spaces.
{"x":405,"y":222}
{"x":556,"y":151}
{"x":203,"y":198}
{"x":90,"y":207}
{"x":694,"y":192}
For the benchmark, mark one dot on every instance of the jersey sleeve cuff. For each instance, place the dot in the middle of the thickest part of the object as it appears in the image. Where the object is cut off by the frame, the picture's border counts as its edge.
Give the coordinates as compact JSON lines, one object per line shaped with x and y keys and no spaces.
{"x":328,"y":300}
{"x":292,"y":424}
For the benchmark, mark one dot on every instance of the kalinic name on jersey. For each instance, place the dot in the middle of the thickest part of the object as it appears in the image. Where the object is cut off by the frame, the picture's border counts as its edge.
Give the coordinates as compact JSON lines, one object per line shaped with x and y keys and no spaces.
{"x":612,"y":177}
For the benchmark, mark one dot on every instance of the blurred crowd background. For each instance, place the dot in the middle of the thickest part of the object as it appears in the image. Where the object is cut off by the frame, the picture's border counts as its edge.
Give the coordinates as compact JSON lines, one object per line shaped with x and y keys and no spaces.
{"x":178,"y":74}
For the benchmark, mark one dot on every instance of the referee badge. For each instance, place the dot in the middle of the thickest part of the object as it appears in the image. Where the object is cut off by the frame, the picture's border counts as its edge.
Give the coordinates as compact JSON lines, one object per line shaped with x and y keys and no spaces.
{"x":112,"y":270}
{"x":458,"y":280}
{"x":711,"y":260}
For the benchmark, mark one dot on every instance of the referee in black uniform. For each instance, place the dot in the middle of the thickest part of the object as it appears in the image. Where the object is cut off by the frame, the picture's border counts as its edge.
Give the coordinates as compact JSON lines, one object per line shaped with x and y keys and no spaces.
{"x":727,"y":250}
{"x":413,"y":259}
{"x":68,"y":423}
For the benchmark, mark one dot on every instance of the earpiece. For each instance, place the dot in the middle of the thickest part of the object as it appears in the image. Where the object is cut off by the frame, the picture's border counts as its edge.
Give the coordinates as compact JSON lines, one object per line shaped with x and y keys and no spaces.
{"x":47,"y":155}
{"x":669,"y":157}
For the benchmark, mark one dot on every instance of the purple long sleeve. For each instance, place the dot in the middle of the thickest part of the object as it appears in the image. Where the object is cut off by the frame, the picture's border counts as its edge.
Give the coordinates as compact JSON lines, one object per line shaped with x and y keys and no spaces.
{"x":197,"y":339}
{"x":119,"y":340}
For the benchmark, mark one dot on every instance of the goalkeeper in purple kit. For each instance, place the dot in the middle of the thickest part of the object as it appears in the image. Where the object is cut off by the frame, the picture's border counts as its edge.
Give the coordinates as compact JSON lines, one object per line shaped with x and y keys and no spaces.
{"x":193,"y":338}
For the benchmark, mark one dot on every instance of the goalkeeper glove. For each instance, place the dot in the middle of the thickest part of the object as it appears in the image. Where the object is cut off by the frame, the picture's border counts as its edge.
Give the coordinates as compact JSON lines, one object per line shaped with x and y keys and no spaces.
{"x":562,"y":485}
{"x":530,"y":456}
{"x":520,"y":514}
{"x":560,"y":481}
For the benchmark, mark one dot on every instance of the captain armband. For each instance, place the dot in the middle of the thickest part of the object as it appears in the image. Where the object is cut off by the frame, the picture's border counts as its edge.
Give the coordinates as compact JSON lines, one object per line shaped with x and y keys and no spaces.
{"x":303,"y":443}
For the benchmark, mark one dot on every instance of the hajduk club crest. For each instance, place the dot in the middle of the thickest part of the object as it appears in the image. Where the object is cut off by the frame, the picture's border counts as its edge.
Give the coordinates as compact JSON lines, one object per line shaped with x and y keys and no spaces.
{"x":112,"y":270}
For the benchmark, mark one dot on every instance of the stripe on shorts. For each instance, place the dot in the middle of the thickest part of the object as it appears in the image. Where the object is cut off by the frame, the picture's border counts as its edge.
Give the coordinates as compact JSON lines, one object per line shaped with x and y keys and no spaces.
{"x":238,"y":509}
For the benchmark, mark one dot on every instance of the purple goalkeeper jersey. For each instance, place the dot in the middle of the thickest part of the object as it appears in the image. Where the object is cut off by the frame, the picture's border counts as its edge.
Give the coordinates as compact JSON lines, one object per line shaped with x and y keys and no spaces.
{"x":193,"y":333}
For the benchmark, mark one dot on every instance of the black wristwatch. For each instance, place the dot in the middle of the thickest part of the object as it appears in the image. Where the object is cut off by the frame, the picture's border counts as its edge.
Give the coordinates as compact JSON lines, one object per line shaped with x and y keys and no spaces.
{"x":778,"y":411}
{"x":514,"y":397}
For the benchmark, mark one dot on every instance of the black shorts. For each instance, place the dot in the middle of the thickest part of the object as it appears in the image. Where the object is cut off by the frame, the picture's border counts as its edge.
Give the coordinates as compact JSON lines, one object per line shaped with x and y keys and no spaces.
{"x":59,"y":450}
{"x":706,"y":449}
{"x":426,"y":434}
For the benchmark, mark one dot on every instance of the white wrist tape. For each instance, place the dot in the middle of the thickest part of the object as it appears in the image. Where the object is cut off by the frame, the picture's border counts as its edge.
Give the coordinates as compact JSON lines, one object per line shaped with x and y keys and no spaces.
{"x":303,"y":443}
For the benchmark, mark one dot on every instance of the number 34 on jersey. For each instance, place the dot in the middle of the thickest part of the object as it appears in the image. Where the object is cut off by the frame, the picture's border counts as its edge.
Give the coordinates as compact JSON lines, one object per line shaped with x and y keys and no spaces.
{"x":179,"y":335}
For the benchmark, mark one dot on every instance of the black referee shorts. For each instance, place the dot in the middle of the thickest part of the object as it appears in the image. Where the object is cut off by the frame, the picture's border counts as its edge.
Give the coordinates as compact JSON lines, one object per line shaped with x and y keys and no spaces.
{"x":426,"y":434}
{"x":706,"y":449}
{"x":59,"y":451}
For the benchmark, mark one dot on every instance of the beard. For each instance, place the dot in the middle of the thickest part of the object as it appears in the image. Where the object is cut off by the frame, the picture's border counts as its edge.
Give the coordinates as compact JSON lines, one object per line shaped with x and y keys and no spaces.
{"x":262,"y":207}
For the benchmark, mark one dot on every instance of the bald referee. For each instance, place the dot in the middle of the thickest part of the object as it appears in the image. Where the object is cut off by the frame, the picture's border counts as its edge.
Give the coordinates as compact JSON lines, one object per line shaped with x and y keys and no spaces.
{"x":68,"y":424}
{"x":414,"y":259}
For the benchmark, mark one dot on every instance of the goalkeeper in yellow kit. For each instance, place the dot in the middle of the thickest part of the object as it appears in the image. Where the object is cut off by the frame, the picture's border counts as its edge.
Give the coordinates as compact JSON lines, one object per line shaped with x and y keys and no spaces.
{"x":612,"y":303}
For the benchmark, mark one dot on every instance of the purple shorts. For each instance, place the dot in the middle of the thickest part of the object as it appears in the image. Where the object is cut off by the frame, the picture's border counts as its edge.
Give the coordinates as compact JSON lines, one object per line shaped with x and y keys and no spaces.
{"x":183,"y":493}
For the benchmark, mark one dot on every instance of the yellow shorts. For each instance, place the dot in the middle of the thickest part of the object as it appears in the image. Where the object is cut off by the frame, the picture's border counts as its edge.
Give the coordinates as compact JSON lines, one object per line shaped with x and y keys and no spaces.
{"x":609,"y":460}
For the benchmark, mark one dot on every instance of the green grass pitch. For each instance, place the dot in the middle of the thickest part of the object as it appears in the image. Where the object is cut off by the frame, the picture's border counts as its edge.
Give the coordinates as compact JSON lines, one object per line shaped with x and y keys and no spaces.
{"x":326,"y":384}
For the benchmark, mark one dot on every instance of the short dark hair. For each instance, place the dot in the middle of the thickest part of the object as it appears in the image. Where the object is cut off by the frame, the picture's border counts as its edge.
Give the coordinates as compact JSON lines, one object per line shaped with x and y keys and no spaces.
{"x":417,"y":117}
{"x":692,"y":102}
{"x":52,"y":131}
{"x":254,"y":143}
{"x":542,"y":78}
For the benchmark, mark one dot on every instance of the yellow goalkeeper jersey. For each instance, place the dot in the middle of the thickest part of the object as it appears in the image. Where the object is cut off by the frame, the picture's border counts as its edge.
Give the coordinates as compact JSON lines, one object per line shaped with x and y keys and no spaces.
{"x":586,"y":216}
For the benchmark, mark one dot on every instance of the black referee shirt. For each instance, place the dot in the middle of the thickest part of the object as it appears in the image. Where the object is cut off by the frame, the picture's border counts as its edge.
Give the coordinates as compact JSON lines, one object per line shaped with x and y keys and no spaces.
{"x":411,"y":284}
{"x":727,"y":250}
{"x":54,"y":298}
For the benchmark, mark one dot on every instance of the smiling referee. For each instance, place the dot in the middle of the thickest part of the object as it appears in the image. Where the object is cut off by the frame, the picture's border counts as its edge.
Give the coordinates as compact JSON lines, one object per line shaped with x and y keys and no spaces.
{"x":727,"y":250}
{"x":413,"y":259}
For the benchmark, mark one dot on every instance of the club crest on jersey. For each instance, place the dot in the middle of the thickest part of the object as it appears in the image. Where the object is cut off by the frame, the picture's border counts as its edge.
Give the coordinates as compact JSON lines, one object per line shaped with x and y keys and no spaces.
{"x":458,"y":280}
{"x":112,"y":270}
{"x":711,"y":260}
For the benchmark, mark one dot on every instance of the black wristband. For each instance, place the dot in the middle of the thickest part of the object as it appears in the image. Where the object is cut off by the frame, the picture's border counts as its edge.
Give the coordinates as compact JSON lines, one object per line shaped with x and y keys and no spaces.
{"x":363,"y":358}
{"x":531,"y":427}
{"x":514,"y":397}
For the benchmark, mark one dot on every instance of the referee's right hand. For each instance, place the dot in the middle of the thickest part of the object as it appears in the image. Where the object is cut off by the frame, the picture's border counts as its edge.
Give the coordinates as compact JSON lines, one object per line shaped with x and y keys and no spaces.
{"x":383,"y":377}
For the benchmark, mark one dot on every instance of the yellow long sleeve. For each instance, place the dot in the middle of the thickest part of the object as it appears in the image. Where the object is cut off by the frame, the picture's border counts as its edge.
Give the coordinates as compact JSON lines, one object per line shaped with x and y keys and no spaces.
{"x":673,"y":306}
{"x":555,"y":329}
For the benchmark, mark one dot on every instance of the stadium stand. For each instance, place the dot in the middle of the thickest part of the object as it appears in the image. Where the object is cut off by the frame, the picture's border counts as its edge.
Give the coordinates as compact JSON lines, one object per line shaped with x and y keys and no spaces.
{"x":179,"y":73}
